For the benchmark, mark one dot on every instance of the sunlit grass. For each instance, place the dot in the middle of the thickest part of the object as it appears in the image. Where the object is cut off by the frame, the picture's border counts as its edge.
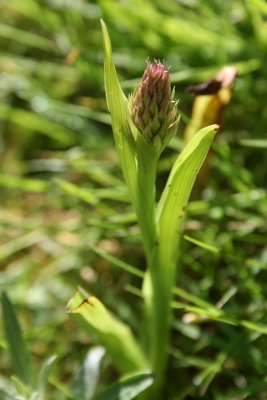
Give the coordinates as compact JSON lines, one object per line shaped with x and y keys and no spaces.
{"x":65,"y":217}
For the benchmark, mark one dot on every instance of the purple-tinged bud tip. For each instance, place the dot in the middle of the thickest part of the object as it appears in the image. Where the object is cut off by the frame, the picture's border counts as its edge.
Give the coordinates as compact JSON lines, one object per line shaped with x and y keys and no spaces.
{"x":152,"y":108}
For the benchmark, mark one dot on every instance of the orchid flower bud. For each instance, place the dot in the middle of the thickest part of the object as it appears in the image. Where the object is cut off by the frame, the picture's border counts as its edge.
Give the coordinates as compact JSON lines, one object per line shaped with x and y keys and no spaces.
{"x":152,"y":108}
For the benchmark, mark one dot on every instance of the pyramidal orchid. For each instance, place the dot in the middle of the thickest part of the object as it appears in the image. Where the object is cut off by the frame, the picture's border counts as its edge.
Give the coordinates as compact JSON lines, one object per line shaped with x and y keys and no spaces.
{"x":152,"y":106}
{"x":143,"y":126}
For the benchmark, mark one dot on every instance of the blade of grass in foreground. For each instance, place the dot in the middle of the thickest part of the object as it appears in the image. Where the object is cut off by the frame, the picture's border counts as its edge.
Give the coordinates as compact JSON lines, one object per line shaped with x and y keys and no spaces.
{"x":127,"y":389}
{"x":42,"y":380}
{"x":86,"y":380}
{"x":20,"y":356}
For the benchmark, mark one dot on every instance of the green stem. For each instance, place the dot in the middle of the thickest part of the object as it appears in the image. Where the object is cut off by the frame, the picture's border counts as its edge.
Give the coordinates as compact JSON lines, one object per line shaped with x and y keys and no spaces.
{"x":158,"y":284}
{"x":160,"y":274}
{"x":145,"y":214}
{"x":145,"y":193}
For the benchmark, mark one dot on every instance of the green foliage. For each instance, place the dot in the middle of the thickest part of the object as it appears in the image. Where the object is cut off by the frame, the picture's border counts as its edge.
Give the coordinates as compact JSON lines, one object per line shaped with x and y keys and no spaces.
{"x":112,"y":333}
{"x":128,"y":388}
{"x":160,"y":229}
{"x":26,"y":383}
{"x":65,"y":217}
{"x":86,"y":380}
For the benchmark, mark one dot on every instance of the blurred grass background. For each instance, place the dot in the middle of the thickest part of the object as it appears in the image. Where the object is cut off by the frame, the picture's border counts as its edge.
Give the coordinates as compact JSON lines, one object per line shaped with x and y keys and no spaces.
{"x":62,"y":193}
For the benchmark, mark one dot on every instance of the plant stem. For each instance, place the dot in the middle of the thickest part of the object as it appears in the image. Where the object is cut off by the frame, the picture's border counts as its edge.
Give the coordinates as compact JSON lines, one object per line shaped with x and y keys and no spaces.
{"x":145,"y":192}
{"x":160,"y":274}
{"x":158,"y":283}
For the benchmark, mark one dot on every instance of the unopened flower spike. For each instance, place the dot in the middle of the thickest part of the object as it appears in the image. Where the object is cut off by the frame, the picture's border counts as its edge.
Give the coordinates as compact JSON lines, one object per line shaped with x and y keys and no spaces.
{"x":152,"y":106}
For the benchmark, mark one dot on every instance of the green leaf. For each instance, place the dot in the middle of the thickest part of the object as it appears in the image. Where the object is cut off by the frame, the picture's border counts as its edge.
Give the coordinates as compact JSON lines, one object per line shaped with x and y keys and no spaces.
{"x":36,"y":123}
{"x":25,"y":37}
{"x":254,"y":389}
{"x":189,"y":297}
{"x":205,"y":246}
{"x":160,"y":277}
{"x":86,"y":380}
{"x":43,"y":376}
{"x":216,"y":314}
{"x":257,"y":143}
{"x":86,"y":195}
{"x":175,"y":196}
{"x":26,"y":185}
{"x":5,"y":395}
{"x":118,"y":262}
{"x":19,"y":243}
{"x":138,"y":159}
{"x":22,"y":389}
{"x":118,"y":108}
{"x":127,"y":389}
{"x":20,"y":356}
{"x":112,"y":333}
{"x":207,"y":375}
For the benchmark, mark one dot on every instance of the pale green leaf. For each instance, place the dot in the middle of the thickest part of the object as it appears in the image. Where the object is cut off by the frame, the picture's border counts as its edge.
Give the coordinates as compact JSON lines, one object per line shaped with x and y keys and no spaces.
{"x":198,"y":243}
{"x":254,"y":389}
{"x":25,"y":37}
{"x":112,"y":333}
{"x":118,"y":262}
{"x":175,"y":196}
{"x":26,"y":185}
{"x":206,"y":376}
{"x":4,"y":395}
{"x":216,"y":314}
{"x":36,"y":123}
{"x":19,"y":243}
{"x":22,"y":388}
{"x":257,"y":143}
{"x":43,"y":376}
{"x":137,"y":157}
{"x":194,"y":299}
{"x":86,"y":195}
{"x":127,"y":389}
{"x":118,"y":108}
{"x":87,"y":377}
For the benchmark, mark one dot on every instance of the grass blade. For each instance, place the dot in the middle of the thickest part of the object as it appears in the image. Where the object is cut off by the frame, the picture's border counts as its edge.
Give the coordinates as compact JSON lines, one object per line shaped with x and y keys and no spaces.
{"x":20,"y":356}
{"x":256,"y":143}
{"x":43,"y":377}
{"x":86,"y":380}
{"x":127,"y":389}
{"x":118,"y":108}
{"x":178,"y":187}
{"x":201,"y":244}
{"x":5,"y":395}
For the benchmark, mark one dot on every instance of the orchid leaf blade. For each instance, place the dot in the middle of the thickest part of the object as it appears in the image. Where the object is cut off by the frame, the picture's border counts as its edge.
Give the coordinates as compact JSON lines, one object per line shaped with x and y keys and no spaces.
{"x":118,"y":108}
{"x":113,"y":334}
{"x":128,"y":388}
{"x":170,"y":210}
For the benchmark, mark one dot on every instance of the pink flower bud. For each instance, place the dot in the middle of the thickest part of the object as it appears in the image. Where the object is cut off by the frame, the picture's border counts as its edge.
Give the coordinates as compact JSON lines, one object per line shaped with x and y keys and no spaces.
{"x":152,"y":108}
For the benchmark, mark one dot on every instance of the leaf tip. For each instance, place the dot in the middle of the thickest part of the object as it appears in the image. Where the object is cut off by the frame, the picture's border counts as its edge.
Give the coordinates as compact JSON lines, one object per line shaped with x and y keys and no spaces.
{"x":216,"y":128}
{"x":103,"y":25}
